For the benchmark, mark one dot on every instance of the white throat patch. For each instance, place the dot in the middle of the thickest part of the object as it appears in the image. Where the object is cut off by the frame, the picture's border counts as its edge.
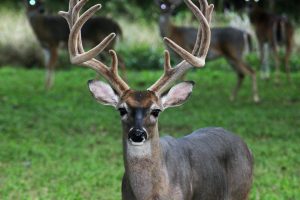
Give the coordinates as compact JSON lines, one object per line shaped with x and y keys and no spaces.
{"x":138,"y":151}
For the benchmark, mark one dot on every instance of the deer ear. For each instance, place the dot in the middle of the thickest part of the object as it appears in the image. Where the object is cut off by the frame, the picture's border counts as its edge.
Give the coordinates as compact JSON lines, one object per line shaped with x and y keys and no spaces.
{"x":103,"y":93}
{"x":178,"y":94}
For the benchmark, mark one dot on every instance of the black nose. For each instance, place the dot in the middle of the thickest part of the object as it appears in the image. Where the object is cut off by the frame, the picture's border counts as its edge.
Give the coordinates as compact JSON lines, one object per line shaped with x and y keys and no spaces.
{"x":137,"y":135}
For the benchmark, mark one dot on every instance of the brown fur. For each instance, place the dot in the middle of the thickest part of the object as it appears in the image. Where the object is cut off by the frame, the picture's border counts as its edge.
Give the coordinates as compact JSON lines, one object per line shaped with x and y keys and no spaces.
{"x":53,"y":30}
{"x":273,"y":30}
{"x":141,"y":99}
{"x":226,"y":42}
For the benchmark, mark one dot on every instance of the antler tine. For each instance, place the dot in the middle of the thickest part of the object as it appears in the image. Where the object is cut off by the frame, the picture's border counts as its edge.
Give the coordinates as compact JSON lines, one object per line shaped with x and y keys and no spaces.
{"x":203,"y":32}
{"x":76,"y":50}
{"x":68,"y":15}
{"x":196,"y":58}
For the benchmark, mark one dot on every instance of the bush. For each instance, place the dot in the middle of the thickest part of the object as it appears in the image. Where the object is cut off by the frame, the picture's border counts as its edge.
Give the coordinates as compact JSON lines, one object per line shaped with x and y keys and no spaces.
{"x":142,"y":56}
{"x":18,"y":45}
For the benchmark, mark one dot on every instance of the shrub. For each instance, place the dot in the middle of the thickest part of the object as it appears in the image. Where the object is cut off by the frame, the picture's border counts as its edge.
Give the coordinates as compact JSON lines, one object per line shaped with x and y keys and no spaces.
{"x":18,"y":45}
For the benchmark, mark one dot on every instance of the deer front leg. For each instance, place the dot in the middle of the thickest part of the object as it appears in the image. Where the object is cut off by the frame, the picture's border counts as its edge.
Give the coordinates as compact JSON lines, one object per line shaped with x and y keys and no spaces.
{"x":243,"y":69}
{"x":276,"y":58}
{"x":256,"y":98}
{"x":264,"y":61}
{"x":240,"y":79}
{"x":287,"y":58}
{"x":50,"y":55}
{"x":249,"y":71}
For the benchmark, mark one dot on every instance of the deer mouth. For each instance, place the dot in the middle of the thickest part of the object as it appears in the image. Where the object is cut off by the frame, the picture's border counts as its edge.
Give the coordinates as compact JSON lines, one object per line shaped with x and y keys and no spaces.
{"x":137,"y":143}
{"x":137,"y":137}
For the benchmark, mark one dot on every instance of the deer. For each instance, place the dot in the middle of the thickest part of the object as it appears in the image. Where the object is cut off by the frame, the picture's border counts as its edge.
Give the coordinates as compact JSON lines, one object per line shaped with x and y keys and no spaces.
{"x":210,"y":163}
{"x":227,"y":42}
{"x":52,"y":31}
{"x":272,"y":31}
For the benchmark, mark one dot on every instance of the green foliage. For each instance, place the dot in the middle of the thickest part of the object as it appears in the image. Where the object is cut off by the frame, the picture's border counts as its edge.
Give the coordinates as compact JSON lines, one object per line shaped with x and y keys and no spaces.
{"x":140,"y":47}
{"x":147,"y":8}
{"x":61,"y":144}
{"x":141,"y":56}
{"x":18,"y":45}
{"x":294,"y":61}
{"x":129,"y":8}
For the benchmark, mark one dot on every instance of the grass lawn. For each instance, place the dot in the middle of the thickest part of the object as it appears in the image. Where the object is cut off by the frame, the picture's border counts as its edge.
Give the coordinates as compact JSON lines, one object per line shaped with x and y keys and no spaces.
{"x":63,"y":145}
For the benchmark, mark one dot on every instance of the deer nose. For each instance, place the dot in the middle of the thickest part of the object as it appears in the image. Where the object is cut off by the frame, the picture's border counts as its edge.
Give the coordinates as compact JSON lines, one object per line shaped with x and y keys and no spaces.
{"x":137,"y":135}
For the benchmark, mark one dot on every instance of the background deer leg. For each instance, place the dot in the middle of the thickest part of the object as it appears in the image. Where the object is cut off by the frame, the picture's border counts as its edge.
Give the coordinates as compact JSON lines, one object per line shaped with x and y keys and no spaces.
{"x":264,"y":61}
{"x":276,"y":59}
{"x":288,"y":52}
{"x":240,"y":79}
{"x":50,"y":61}
{"x":256,"y":98}
{"x":243,"y":69}
{"x":247,"y":70}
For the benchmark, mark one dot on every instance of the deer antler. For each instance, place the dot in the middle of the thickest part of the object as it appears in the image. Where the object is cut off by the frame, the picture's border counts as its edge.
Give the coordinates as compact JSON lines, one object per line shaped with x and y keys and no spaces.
{"x":196,"y":58}
{"x":77,"y":53}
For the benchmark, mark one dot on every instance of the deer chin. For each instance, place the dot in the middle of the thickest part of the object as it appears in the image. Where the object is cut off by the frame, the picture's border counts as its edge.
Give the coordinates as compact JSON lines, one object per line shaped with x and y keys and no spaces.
{"x":138,"y":149}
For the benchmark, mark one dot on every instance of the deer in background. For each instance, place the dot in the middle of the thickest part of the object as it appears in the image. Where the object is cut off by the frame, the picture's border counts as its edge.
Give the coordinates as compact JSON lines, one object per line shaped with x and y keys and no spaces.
{"x":229,"y":43}
{"x":208,"y":164}
{"x":52,"y":30}
{"x":271,"y":32}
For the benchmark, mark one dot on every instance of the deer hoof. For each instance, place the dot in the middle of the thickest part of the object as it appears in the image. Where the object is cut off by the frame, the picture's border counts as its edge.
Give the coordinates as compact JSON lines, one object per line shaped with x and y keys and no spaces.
{"x":256,"y":99}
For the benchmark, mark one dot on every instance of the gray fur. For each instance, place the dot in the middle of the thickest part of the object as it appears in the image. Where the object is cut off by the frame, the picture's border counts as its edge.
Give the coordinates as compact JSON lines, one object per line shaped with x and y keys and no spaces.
{"x":214,"y":154}
{"x":209,"y":164}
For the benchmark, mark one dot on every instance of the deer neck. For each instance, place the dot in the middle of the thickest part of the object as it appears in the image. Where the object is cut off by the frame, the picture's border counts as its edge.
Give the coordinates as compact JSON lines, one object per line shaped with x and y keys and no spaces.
{"x":165,"y":25}
{"x":34,"y":17}
{"x":144,"y":168}
{"x":32,"y":14}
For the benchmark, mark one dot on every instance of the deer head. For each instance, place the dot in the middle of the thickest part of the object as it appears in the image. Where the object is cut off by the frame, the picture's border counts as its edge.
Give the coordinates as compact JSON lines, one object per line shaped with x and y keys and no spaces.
{"x":34,"y":6}
{"x":139,"y":110}
{"x":167,"y":6}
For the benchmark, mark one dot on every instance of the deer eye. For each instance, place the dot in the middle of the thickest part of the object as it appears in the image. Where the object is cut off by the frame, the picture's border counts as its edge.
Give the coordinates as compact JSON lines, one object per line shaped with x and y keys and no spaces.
{"x":32,"y":2}
{"x":122,"y":111}
{"x":155,"y":112}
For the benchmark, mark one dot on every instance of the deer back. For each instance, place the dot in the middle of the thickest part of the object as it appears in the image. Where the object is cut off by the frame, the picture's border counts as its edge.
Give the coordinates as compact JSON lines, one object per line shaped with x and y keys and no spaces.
{"x":53,"y":29}
{"x":212,"y":160}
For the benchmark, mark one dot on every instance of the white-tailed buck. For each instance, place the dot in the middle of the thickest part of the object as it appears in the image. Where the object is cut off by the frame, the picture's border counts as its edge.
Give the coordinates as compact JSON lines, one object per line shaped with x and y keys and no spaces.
{"x":52,"y":31}
{"x":210,"y":164}
{"x":272,"y":31}
{"x":227,"y":42}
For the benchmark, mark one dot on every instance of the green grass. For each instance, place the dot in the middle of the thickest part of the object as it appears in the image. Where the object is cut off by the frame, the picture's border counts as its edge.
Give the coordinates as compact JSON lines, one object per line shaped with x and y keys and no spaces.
{"x":63,"y":145}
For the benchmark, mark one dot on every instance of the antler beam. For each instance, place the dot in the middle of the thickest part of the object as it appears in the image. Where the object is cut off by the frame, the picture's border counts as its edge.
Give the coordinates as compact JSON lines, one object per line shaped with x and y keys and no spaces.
{"x":196,"y":58}
{"x":76,"y":50}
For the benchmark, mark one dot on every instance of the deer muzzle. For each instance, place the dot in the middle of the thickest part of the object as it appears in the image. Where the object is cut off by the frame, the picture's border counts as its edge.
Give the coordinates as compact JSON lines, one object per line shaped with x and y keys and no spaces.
{"x":137,"y":136}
